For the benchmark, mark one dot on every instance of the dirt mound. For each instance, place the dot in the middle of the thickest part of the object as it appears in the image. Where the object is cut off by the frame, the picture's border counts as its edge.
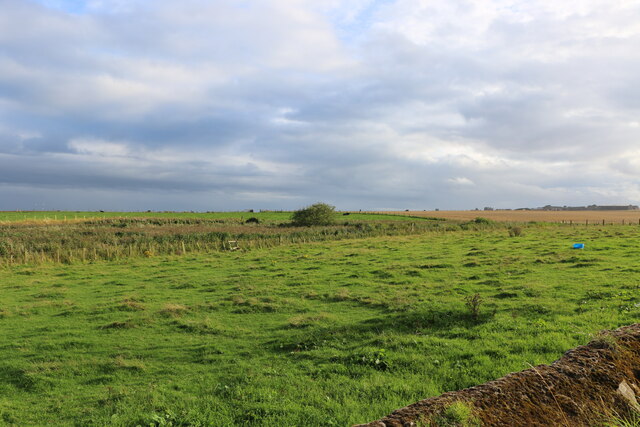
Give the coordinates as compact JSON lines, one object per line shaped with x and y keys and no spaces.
{"x":589,"y":385}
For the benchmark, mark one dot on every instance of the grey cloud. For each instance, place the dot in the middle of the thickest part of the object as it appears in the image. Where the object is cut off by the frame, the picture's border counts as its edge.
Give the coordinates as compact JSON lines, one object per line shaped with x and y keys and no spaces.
{"x":264,"y":102}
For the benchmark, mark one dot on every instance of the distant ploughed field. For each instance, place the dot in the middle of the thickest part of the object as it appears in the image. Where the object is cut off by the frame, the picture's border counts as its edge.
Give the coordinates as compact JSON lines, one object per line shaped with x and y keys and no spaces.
{"x":593,"y":217}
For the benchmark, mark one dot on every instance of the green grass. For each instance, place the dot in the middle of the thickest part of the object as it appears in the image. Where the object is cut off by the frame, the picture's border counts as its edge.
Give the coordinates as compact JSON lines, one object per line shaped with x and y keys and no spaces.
{"x":41,"y":241}
{"x":457,"y":414}
{"x":269,"y":216}
{"x":325,"y":333}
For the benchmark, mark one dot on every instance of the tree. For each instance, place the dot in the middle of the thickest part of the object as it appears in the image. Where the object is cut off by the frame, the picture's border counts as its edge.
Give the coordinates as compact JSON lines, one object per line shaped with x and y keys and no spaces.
{"x":316,"y":214}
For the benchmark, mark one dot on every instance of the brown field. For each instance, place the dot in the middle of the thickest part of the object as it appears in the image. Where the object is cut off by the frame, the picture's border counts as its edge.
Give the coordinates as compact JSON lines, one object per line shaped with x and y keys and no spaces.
{"x":583,"y":217}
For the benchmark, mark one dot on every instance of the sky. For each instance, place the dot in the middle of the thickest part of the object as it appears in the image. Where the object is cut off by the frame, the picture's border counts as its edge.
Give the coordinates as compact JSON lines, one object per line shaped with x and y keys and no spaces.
{"x":276,"y":104}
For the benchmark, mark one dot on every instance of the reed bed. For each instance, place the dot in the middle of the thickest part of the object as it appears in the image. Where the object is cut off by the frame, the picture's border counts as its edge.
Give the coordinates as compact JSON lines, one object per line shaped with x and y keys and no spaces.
{"x":37,"y":242}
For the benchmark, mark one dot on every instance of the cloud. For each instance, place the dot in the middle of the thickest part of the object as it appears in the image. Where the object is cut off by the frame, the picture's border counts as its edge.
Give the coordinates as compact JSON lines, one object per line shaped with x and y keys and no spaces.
{"x":461,"y":180}
{"x":363,"y":104}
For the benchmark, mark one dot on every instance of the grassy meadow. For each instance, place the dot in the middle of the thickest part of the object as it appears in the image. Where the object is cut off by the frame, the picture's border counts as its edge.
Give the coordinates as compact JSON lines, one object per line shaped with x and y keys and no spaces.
{"x":593,"y":217}
{"x":266,"y":216}
{"x":326,"y":331}
{"x":114,"y":238}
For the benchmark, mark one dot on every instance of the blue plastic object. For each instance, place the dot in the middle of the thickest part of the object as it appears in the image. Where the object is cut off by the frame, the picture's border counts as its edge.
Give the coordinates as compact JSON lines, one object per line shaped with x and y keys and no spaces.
{"x":578,"y":246}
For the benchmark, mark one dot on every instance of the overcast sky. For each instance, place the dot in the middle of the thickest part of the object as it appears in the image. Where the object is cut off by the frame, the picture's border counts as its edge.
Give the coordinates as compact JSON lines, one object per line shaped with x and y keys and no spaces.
{"x":276,"y":104}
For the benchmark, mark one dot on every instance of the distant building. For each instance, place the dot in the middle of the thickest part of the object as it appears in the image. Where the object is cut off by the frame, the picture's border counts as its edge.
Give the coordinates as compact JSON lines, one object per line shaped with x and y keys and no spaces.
{"x":614,"y":208}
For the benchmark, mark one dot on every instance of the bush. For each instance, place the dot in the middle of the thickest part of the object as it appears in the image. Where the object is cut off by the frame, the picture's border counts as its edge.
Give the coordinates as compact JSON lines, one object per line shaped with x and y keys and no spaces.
{"x":316,"y":214}
{"x":481,"y":220}
{"x":252,"y":220}
{"x":515,"y":231}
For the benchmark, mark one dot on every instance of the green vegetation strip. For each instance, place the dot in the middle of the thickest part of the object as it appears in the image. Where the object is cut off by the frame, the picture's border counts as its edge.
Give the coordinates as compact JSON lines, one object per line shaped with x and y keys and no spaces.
{"x":89,"y":240}
{"x":325,"y":333}
{"x":282,"y":216}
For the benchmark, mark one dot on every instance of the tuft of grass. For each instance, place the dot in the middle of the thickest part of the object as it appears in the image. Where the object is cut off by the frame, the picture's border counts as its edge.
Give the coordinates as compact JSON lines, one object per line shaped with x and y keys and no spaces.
{"x":254,"y":305}
{"x":515,"y":231}
{"x":174,"y":310}
{"x":119,"y":325}
{"x":342,"y":295}
{"x":457,"y":414}
{"x":204,"y":326}
{"x":305,"y":321}
{"x":121,"y":362}
{"x":630,"y":420}
{"x":604,"y":339}
{"x":131,"y":305}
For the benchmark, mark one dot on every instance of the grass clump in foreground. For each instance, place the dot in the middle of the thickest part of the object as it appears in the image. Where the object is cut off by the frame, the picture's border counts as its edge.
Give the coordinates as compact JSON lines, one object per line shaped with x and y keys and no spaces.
{"x":457,"y":414}
{"x":330,"y":332}
{"x":631,"y":420}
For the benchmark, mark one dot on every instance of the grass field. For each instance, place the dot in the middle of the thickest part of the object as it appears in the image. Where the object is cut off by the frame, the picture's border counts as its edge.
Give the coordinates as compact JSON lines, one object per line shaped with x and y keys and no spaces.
{"x":67,"y":241}
{"x":575,"y":217}
{"x":316,"y":333}
{"x":269,"y":216}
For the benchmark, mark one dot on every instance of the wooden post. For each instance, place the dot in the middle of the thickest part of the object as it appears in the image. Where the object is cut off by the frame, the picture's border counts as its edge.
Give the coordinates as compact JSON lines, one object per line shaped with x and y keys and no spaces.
{"x":586,"y":222}
{"x":603,"y":222}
